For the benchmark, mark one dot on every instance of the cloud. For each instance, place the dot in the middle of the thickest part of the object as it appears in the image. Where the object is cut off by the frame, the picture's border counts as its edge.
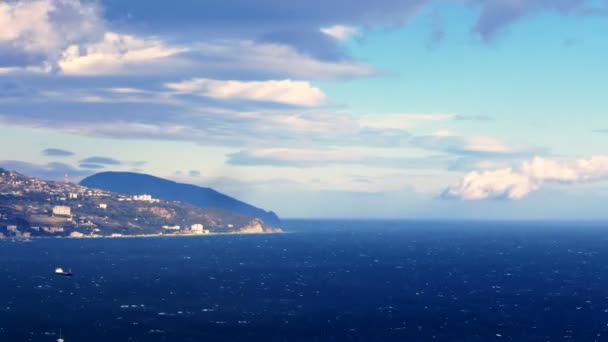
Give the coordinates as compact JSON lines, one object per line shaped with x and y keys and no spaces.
{"x":115,"y":53}
{"x":288,"y":22}
{"x":530,"y":176}
{"x":91,"y":166}
{"x":496,"y":15}
{"x":56,"y":152}
{"x":51,"y":171}
{"x":339,"y":32}
{"x":101,"y":161}
{"x":272,"y":60}
{"x":290,"y":92}
{"x":72,"y":37}
{"x":296,"y":24}
{"x":486,"y":146}
{"x":210,"y":126}
{"x":39,"y":30}
{"x":304,"y":158}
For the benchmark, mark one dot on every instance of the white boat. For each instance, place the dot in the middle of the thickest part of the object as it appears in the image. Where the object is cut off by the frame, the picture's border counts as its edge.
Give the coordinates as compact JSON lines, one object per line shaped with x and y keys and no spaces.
{"x":59,"y":271}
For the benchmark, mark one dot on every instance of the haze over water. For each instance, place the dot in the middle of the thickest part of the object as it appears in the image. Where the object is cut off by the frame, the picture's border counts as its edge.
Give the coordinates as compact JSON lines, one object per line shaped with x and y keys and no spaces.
{"x":322,"y":281}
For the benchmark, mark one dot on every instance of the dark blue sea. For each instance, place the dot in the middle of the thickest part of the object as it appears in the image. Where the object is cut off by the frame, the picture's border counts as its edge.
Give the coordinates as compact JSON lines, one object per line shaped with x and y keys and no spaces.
{"x":321,"y":281}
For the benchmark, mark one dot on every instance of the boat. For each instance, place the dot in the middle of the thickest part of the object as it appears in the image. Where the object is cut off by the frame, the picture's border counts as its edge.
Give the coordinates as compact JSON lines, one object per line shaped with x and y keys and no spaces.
{"x":60,"y":339}
{"x":60,"y":272}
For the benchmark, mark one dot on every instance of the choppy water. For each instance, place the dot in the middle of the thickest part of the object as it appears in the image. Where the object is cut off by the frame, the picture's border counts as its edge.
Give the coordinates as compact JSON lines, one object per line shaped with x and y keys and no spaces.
{"x":324,"y":281}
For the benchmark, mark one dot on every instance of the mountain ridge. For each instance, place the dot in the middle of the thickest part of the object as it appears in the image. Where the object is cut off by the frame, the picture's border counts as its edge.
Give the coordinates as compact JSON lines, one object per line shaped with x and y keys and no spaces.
{"x":133,"y":183}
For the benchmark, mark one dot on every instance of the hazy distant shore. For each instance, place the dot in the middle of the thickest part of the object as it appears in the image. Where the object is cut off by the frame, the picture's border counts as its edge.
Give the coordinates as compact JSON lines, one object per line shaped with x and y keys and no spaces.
{"x":18,"y":239}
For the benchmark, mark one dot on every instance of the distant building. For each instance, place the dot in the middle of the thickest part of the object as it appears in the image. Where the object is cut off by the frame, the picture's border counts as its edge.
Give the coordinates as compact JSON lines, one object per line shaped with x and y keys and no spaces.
{"x":61,"y":210}
{"x":12,"y":229}
{"x":76,"y":235}
{"x":176,"y":227}
{"x":197,"y":228}
{"x":103,"y":206}
{"x":53,"y":230}
{"x":145,"y":198}
{"x":73,"y":195}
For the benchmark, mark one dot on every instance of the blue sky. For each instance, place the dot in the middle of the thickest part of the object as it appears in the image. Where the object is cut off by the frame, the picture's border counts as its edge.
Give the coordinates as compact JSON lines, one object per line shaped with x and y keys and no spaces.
{"x":476,"y":109}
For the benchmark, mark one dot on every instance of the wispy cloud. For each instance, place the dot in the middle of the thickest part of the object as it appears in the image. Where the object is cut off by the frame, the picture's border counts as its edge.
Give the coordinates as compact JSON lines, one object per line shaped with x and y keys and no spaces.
{"x":116,"y":53}
{"x":486,"y":146}
{"x":306,"y":158}
{"x":496,"y":15}
{"x":101,"y":161}
{"x":339,"y":32}
{"x":300,"y":93}
{"x":57,"y":152}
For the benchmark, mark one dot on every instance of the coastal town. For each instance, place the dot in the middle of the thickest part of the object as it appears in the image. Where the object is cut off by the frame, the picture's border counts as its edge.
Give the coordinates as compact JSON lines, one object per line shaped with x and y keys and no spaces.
{"x":31,"y":207}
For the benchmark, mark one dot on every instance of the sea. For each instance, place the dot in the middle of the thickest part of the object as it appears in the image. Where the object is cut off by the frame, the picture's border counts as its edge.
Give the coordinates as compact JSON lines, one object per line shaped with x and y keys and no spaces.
{"x":338,"y":280}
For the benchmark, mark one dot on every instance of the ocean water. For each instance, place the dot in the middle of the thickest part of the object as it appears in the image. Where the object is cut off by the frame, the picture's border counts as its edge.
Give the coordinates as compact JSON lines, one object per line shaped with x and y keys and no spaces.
{"x":322,"y":281}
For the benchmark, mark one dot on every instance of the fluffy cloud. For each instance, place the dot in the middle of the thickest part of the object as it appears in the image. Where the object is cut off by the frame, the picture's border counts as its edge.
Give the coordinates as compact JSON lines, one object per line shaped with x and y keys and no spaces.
{"x":528,"y":177}
{"x":71,"y":37}
{"x":41,"y":29}
{"x":339,"y":32}
{"x":298,"y":93}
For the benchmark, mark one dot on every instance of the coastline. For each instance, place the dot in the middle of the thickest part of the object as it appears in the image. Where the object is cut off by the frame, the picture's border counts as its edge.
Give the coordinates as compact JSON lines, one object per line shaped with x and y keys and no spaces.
{"x":140,"y":236}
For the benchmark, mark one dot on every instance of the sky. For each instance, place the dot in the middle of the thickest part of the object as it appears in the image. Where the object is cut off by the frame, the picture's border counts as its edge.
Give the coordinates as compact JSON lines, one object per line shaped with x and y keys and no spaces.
{"x":453,"y":109}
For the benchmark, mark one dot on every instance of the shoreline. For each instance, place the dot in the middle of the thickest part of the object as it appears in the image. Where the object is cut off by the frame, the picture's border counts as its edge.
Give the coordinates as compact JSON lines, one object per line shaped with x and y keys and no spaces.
{"x":141,"y":236}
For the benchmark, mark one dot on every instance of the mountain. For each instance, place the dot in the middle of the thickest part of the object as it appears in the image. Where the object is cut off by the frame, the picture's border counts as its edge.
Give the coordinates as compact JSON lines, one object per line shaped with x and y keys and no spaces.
{"x":137,"y":183}
{"x":33,"y":207}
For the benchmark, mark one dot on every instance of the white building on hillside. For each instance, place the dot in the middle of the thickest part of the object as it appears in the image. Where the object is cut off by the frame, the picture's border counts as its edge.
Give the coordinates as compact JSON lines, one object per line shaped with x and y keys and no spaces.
{"x":145,"y":198}
{"x":61,"y":210}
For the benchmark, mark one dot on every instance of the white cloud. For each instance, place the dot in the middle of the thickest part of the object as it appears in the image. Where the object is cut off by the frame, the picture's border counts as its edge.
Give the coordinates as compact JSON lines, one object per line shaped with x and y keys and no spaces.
{"x":529,"y":177}
{"x":47,"y":26}
{"x":72,"y":37}
{"x":339,"y":32}
{"x":115,"y":52}
{"x":282,"y":91}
